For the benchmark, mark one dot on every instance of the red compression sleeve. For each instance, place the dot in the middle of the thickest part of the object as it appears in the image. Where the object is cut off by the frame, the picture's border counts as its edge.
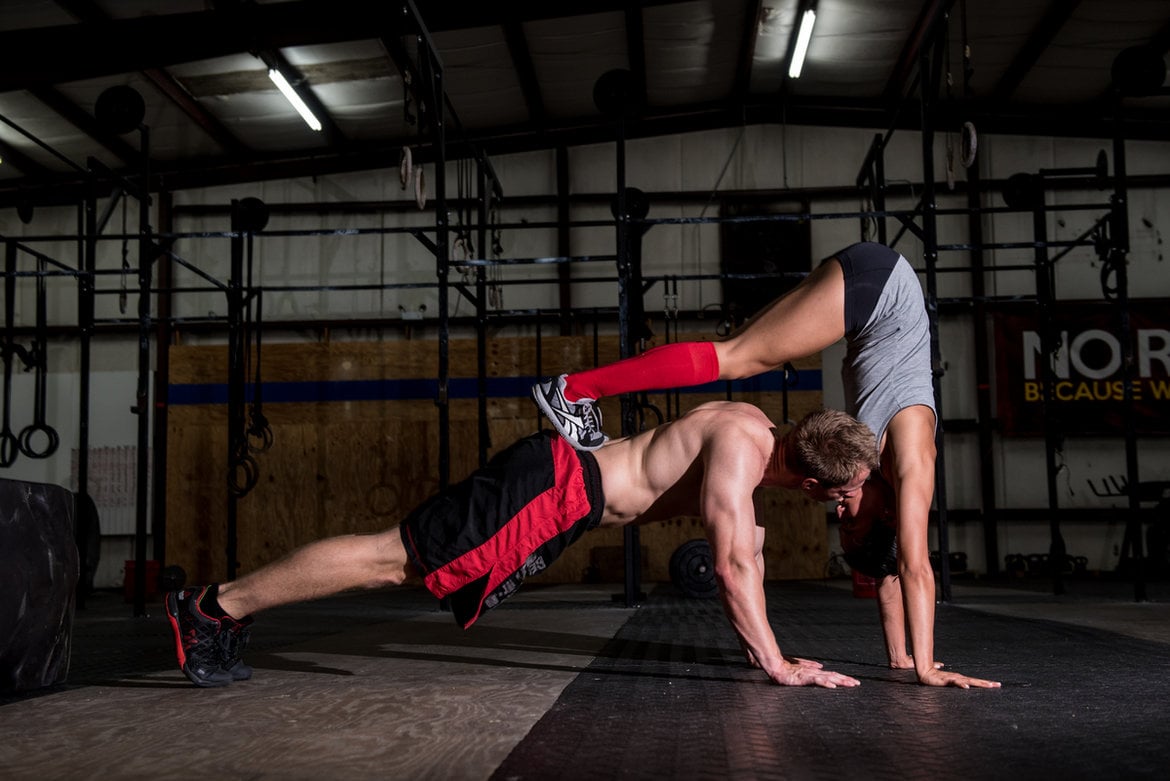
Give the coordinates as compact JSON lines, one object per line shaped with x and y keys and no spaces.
{"x":669,"y":366}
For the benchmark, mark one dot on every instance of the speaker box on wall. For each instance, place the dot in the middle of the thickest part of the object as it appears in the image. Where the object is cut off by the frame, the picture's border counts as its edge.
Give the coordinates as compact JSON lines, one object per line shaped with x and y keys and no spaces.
{"x":762,"y":258}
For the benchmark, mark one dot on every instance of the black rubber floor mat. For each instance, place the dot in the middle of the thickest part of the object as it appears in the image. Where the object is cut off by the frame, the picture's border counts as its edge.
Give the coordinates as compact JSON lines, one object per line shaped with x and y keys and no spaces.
{"x":671,"y":697}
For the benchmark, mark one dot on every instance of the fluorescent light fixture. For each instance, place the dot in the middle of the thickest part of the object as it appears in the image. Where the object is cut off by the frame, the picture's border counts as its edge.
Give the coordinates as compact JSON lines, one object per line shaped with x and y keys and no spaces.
{"x":802,"y":38}
{"x":286,"y":89}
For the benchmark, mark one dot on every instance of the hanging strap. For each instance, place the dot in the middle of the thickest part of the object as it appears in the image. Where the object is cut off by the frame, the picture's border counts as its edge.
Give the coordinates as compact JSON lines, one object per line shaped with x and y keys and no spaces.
{"x":41,"y":351}
{"x":9,"y":444}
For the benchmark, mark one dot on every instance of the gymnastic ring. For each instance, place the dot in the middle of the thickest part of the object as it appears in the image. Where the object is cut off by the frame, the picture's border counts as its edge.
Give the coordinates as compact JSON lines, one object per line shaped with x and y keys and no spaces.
{"x":405,"y":166}
{"x":26,"y":437}
{"x":382,"y":499}
{"x":259,"y":438}
{"x":970,"y":145}
{"x":259,"y":433}
{"x":9,"y":448}
{"x":246,"y":465}
{"x":420,"y":188}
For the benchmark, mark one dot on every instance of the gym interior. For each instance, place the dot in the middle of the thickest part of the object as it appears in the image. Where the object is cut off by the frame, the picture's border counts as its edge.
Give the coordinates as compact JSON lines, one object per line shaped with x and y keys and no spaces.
{"x":281,"y":271}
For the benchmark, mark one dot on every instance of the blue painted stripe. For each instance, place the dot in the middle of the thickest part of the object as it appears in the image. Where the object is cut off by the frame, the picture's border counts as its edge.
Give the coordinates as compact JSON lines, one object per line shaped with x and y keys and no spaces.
{"x":457,"y":388}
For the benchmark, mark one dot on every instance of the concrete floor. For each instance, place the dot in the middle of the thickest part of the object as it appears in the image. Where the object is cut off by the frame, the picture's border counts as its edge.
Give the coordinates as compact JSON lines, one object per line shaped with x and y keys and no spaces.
{"x":563,"y":682}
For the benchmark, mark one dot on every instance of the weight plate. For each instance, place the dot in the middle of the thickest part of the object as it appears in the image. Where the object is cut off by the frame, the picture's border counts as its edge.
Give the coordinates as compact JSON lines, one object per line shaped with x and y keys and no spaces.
{"x":692,"y":570}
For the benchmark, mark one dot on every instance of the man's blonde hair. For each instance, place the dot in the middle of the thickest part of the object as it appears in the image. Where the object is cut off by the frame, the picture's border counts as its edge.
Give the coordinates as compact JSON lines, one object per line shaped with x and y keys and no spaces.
{"x":831,"y":446}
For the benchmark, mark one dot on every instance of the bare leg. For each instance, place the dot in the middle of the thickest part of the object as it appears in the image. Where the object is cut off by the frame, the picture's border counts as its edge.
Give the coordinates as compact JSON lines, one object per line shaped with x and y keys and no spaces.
{"x":320,"y":569}
{"x":802,"y":322}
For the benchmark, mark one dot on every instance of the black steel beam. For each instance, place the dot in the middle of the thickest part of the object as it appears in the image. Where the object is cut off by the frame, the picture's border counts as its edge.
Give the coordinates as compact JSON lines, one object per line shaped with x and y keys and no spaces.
{"x":747,"y":50}
{"x":932,"y":14}
{"x":1085,"y":121}
{"x":442,"y":15}
{"x":100,"y":48}
{"x":636,"y":53}
{"x":87,"y":11}
{"x":207,"y":122}
{"x":10,"y":155}
{"x":1058,"y":13}
{"x":86,"y":123}
{"x":525,"y":71}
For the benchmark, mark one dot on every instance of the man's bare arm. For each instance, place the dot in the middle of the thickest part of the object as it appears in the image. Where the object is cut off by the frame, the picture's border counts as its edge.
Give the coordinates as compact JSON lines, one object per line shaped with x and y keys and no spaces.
{"x":732,"y":470}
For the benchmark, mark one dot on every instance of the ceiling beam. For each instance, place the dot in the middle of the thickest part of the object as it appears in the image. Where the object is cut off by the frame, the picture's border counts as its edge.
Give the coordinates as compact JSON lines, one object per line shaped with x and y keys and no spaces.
{"x":464,"y":14}
{"x":190,"y":106}
{"x":86,"y":123}
{"x":11,"y":156}
{"x":991,"y":118}
{"x":928,"y":24}
{"x":525,"y":71}
{"x":107,"y":48}
{"x":747,"y":49}
{"x":87,"y":11}
{"x":636,"y":53}
{"x":1038,"y":41}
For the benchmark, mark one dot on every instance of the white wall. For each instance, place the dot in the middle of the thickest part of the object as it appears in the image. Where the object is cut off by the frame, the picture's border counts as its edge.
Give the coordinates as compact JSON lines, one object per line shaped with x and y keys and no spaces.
{"x":293,"y":252}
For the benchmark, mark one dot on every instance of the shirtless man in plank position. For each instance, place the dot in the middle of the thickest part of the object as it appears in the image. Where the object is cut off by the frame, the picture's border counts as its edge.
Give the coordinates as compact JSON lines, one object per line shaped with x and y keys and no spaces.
{"x":475,"y":544}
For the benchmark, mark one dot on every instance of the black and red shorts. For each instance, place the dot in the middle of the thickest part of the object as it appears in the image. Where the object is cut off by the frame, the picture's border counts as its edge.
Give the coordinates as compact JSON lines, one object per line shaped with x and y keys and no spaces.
{"x":510,"y":519}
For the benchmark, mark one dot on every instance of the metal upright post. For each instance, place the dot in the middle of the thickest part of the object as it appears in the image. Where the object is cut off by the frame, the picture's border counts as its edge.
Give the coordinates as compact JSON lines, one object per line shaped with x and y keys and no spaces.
{"x":1045,"y":294}
{"x":85,"y":317}
{"x":982,"y":374}
{"x":484,"y":193}
{"x":1119,"y":233}
{"x":434,"y":74}
{"x":236,"y":384}
{"x":163,"y":333}
{"x":626,"y":288}
{"x":564,"y":245}
{"x":142,"y":409}
{"x":930,"y":255}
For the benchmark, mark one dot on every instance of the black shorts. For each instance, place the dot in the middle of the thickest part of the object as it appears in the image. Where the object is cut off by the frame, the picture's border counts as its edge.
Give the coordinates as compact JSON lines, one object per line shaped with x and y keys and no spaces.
{"x":512,"y":518}
{"x":866,"y":266}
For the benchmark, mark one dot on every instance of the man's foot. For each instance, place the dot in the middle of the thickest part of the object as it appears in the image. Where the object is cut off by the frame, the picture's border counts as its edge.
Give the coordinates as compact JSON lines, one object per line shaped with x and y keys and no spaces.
{"x":200,"y":640}
{"x":579,"y":421}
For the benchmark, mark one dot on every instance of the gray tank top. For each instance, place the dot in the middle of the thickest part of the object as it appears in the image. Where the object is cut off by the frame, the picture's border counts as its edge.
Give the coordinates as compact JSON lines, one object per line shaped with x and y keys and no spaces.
{"x":887,"y":364}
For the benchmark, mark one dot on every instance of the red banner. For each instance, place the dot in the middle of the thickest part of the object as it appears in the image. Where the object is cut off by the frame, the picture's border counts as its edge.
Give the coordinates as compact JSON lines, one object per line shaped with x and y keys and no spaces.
{"x":1088,"y":392}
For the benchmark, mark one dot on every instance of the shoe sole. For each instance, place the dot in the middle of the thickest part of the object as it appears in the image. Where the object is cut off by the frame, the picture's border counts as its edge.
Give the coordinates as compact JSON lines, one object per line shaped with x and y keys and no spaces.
{"x":551,"y":415}
{"x":181,"y":653}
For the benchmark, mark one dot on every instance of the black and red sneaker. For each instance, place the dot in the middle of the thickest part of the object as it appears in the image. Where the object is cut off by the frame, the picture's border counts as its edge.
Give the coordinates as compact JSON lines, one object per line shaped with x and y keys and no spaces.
{"x":234,"y":639}
{"x":200,"y":639}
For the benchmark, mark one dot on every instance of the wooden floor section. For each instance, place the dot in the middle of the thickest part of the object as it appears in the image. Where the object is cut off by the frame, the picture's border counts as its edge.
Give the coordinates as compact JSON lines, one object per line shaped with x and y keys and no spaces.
{"x":373,"y":686}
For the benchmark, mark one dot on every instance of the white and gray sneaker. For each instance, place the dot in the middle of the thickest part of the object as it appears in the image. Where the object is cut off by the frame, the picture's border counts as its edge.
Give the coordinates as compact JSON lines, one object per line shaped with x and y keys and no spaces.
{"x":579,"y":422}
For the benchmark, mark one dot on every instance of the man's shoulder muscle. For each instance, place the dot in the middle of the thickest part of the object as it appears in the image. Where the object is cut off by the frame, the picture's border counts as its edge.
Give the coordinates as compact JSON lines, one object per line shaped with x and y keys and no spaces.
{"x":716,"y":427}
{"x":727,"y":412}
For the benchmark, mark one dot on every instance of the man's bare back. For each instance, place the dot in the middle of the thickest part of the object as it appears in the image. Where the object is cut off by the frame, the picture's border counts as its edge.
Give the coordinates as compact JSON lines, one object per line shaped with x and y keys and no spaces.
{"x":659,"y":474}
